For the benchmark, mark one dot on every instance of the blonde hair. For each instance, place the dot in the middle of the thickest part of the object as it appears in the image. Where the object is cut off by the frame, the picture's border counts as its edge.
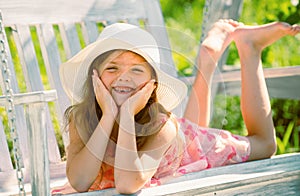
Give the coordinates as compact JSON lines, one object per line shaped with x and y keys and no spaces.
{"x":87,"y":113}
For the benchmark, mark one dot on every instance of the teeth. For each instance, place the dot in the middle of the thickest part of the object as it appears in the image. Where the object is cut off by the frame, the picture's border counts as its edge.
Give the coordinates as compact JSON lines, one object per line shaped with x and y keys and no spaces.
{"x":123,"y":89}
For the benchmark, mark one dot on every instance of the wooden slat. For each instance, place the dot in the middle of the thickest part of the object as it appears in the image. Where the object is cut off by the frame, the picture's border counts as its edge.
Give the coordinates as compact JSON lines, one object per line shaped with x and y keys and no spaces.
{"x":155,"y":25}
{"x":13,"y":80}
{"x":28,"y":58}
{"x":70,"y":39}
{"x":91,"y":31}
{"x":220,"y":10}
{"x":38,"y":147}
{"x":235,"y":75}
{"x":282,"y":88}
{"x":5,"y":163}
{"x":33,"y":80}
{"x":8,"y":179}
{"x":282,"y":82}
{"x":31,"y":97}
{"x":19,"y":112}
{"x":40,"y":12}
{"x":52,"y":61}
{"x":9,"y":183}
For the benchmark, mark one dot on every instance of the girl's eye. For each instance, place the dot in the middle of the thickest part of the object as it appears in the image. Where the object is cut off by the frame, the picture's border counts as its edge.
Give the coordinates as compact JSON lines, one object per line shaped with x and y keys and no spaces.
{"x":138,"y":70}
{"x":111,"y":69}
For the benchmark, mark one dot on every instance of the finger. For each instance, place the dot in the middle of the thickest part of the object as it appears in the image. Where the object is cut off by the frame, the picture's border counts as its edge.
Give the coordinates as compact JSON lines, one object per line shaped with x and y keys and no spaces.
{"x":98,"y":86}
{"x":95,"y":73}
{"x":94,"y":79}
{"x":150,"y":86}
{"x":148,"y":89}
{"x":97,"y":81}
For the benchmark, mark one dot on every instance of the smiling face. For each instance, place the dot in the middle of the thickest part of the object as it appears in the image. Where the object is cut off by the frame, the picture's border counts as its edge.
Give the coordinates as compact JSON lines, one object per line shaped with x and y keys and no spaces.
{"x":124,"y":75}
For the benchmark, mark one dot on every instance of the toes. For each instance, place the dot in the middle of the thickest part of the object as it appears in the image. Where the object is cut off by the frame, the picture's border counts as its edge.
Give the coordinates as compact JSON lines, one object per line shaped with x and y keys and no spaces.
{"x":296,"y":27}
{"x":231,"y":22}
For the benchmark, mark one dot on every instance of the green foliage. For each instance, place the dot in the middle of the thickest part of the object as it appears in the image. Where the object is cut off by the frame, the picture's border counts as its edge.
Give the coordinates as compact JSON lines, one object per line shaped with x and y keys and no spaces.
{"x":283,"y":143}
{"x":15,"y":59}
{"x":260,"y":12}
{"x":184,"y":22}
{"x":185,"y":13}
{"x":227,"y":114}
{"x":286,"y":115}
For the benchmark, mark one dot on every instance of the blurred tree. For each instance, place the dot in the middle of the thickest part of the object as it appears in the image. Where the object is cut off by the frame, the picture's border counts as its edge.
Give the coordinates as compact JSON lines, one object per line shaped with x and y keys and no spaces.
{"x":256,"y":11}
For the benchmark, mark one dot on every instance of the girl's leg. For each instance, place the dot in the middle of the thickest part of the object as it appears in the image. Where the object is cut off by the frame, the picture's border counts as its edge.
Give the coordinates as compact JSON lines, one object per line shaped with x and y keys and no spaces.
{"x":255,"y":104}
{"x":217,"y":40}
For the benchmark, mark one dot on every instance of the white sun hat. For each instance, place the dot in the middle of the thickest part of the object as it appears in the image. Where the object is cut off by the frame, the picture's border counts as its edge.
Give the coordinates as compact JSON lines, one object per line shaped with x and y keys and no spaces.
{"x":74,"y":72}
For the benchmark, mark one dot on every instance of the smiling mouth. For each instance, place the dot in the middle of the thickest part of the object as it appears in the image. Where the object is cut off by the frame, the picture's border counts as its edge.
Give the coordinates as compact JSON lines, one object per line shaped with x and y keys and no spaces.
{"x":123,"y":90}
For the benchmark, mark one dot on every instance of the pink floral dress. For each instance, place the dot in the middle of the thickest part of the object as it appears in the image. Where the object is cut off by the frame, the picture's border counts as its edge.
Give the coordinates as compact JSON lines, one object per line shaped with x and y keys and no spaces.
{"x":194,"y":149}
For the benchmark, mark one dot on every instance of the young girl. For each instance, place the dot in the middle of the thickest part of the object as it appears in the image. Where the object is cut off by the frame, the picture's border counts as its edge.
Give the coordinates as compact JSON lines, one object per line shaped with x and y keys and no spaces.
{"x":122,"y":133}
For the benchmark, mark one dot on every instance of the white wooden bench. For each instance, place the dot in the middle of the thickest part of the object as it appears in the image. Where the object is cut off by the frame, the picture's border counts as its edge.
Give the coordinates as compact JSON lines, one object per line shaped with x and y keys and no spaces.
{"x":276,"y":176}
{"x":70,"y":24}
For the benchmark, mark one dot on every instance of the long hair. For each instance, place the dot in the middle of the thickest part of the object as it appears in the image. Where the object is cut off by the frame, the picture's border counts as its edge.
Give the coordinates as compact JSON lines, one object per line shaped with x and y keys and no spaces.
{"x":88,"y":113}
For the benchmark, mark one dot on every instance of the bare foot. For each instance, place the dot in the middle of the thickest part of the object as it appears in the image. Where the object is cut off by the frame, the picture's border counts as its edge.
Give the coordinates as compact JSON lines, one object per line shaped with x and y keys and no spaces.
{"x":262,"y":36}
{"x":219,"y":37}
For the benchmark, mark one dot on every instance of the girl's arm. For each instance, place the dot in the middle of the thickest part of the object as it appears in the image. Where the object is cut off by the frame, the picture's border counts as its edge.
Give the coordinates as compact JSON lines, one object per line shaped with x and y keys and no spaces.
{"x":84,"y":160}
{"x":132,"y":168}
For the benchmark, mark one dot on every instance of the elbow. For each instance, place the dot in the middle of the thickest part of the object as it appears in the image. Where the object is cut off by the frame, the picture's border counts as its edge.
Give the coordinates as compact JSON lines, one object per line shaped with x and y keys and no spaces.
{"x":271,"y":148}
{"x":79,"y":187}
{"x":262,"y":148}
{"x":77,"y":184}
{"x":129,"y":185}
{"x":124,"y":188}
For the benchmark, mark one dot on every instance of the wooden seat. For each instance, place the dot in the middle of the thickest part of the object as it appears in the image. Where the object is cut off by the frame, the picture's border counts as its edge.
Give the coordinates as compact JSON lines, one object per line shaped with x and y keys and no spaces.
{"x":39,"y":35}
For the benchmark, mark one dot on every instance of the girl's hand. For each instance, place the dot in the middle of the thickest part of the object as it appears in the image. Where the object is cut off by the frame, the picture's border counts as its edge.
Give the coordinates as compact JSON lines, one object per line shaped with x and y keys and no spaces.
{"x":138,"y":101}
{"x":103,"y":97}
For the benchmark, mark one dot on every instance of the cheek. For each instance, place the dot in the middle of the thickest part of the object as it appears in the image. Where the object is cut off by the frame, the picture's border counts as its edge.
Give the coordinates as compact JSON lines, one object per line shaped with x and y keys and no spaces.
{"x":107,"y":81}
{"x":140,"y":81}
{"x":144,"y":78}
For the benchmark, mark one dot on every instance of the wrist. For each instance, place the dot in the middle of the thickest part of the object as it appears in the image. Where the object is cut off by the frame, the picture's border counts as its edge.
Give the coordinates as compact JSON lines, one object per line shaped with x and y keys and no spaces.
{"x":125,"y":110}
{"x":126,"y":121}
{"x":109,"y":115}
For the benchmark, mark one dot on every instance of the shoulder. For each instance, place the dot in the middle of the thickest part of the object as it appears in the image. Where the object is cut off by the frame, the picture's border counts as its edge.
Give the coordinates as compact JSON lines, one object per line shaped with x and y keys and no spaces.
{"x":169,"y":130}
{"x":164,"y":137}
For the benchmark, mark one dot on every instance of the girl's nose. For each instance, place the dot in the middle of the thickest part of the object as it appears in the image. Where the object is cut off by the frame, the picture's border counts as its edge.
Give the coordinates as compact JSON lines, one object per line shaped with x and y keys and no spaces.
{"x":124,"y":76}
